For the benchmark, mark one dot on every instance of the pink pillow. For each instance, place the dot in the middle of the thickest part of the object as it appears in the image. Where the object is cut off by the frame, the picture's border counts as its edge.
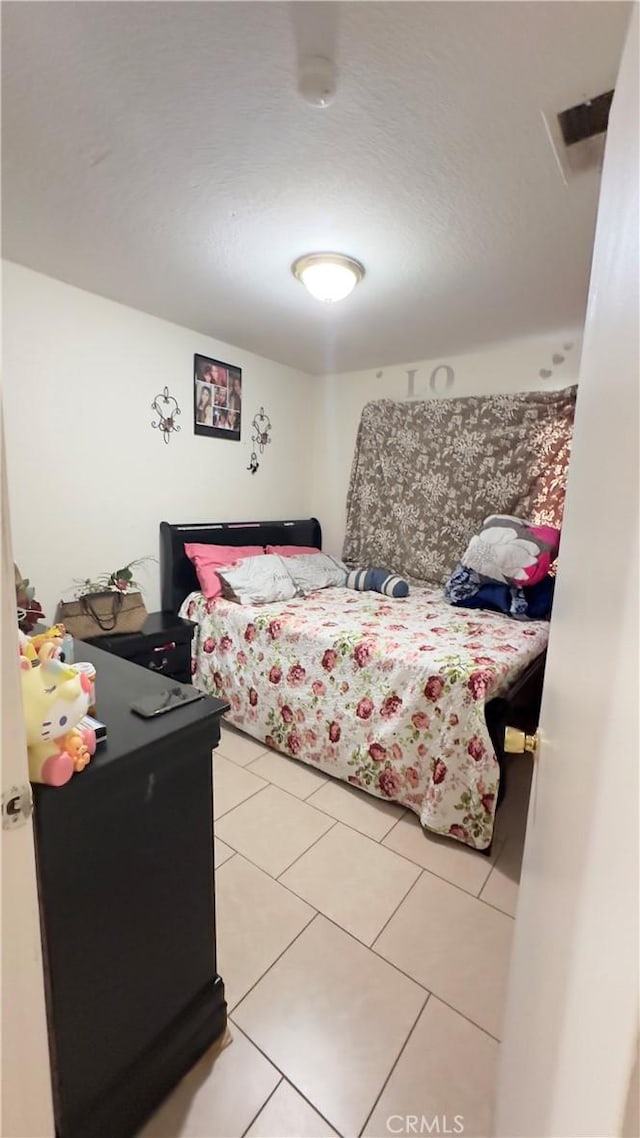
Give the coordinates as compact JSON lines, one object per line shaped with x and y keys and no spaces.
{"x":512,"y":551}
{"x":207,"y":559}
{"x":546,"y":535}
{"x":291,"y":550}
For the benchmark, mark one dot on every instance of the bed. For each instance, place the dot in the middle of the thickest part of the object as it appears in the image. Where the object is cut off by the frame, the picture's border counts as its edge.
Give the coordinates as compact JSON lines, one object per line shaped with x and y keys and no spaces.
{"x":405,"y":698}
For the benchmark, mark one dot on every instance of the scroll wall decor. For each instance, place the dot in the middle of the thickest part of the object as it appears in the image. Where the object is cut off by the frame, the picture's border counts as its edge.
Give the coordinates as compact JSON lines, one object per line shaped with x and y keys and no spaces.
{"x":260,"y":438}
{"x":167,"y":410}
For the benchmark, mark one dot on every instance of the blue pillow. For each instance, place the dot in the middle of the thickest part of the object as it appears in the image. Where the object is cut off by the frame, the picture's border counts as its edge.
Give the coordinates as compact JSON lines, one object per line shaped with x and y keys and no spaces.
{"x":471,"y":590}
{"x":377,"y":581}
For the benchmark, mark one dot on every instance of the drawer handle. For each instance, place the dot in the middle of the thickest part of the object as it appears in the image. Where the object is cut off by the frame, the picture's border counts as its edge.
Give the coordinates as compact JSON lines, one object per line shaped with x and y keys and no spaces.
{"x":165,"y":647}
{"x":157,"y":666}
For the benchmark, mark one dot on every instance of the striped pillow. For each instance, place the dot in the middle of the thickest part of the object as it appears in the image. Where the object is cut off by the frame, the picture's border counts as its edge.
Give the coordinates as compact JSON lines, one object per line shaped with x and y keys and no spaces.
{"x":377,"y":581}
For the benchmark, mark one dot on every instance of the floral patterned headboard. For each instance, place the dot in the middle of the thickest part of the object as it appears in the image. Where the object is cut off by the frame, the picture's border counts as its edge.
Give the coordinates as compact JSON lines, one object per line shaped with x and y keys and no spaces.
{"x":426,"y":474}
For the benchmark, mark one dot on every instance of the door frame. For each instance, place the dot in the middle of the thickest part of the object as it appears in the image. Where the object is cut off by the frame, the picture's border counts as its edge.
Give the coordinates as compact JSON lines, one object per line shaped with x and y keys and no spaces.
{"x":26,"y":1108}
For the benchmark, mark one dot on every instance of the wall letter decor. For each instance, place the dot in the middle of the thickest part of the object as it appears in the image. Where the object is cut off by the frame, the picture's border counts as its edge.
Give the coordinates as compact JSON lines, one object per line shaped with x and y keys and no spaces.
{"x":435,"y":385}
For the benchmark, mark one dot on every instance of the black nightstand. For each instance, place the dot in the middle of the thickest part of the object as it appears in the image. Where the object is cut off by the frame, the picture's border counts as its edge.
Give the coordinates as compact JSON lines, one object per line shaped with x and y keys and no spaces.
{"x":163,"y":645}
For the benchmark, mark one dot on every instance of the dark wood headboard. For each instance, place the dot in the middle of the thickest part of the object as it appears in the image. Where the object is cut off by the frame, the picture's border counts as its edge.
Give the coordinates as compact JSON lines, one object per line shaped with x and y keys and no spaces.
{"x":177,"y":574}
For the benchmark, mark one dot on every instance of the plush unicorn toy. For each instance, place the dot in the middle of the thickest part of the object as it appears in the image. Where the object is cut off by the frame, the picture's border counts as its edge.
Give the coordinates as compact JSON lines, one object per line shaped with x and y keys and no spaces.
{"x":55,"y":698}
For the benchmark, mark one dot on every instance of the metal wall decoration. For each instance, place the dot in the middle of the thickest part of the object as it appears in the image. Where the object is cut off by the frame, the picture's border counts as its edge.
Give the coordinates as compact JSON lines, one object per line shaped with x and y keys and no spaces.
{"x":260,"y":438}
{"x":167,"y":410}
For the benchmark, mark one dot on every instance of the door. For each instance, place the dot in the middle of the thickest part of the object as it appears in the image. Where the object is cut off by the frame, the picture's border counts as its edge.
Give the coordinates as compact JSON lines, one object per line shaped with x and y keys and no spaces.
{"x":26,"y":1083}
{"x":571,"y":1021}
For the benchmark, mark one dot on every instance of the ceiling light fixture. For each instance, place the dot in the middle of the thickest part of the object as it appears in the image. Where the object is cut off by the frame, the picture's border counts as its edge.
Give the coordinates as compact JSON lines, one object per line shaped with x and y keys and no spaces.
{"x":317,"y":81}
{"x":328,"y":276}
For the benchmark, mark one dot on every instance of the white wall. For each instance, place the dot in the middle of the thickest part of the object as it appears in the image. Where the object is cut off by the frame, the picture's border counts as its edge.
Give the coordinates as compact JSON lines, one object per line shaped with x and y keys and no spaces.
{"x":86,"y":500}
{"x":339,"y":399}
{"x":89,"y":480}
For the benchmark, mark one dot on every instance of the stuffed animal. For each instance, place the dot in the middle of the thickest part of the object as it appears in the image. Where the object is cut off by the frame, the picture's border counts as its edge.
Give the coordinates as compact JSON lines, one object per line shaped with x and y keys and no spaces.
{"x":44,"y":646}
{"x":55,"y":698}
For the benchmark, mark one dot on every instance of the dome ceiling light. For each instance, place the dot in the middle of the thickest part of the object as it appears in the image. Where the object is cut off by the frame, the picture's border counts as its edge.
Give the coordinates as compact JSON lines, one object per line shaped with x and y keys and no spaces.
{"x":317,"y":81}
{"x":328,"y":276}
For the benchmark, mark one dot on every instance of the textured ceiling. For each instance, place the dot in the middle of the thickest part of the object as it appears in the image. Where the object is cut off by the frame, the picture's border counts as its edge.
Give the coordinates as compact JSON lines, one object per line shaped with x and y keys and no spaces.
{"x":159,"y":154}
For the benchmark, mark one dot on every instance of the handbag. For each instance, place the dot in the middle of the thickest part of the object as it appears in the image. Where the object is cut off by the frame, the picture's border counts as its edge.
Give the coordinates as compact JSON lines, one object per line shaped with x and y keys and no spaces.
{"x":101,"y":614}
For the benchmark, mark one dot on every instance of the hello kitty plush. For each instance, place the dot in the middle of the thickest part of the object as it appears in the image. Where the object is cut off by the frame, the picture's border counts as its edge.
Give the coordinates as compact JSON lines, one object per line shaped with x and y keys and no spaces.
{"x":55,"y":698}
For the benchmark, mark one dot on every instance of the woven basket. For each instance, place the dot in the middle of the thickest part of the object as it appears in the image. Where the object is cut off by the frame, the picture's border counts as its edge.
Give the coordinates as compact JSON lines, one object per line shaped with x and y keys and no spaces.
{"x":103,"y":614}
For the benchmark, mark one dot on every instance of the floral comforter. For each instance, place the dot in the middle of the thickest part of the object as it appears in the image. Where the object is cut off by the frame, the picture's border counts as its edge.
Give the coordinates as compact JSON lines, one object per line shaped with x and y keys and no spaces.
{"x":386,"y":694}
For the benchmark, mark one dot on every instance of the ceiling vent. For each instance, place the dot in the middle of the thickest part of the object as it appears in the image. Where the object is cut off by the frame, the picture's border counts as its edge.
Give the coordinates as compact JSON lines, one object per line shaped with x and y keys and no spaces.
{"x":578,"y":134}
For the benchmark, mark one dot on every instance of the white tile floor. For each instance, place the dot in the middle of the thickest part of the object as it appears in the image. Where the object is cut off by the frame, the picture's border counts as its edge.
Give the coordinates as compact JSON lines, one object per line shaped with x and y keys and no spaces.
{"x":365,"y":962}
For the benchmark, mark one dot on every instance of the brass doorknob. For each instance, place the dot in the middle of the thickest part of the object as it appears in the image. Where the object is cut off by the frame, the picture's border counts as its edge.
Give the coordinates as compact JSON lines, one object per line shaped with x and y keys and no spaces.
{"x":516,"y":742}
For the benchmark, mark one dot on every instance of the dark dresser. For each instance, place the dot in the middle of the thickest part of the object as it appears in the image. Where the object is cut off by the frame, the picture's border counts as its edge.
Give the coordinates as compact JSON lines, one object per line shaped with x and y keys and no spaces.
{"x":163,"y":645}
{"x":125,"y":877}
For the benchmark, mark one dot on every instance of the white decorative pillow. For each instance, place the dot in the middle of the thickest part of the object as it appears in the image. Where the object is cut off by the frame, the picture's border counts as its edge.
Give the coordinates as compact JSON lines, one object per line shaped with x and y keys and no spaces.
{"x":257,"y":581}
{"x":316,"y":571}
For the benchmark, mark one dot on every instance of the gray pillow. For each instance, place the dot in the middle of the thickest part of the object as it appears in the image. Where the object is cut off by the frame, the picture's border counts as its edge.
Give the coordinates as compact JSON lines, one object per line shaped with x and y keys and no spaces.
{"x":257,"y":580}
{"x":316,"y":571}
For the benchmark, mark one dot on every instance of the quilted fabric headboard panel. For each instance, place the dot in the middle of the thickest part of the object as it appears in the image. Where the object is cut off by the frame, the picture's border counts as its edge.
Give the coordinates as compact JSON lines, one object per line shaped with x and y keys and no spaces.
{"x":426,"y":474}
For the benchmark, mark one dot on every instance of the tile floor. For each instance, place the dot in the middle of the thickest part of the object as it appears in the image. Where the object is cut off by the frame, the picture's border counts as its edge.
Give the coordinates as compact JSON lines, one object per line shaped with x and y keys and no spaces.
{"x":365,"y":962}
